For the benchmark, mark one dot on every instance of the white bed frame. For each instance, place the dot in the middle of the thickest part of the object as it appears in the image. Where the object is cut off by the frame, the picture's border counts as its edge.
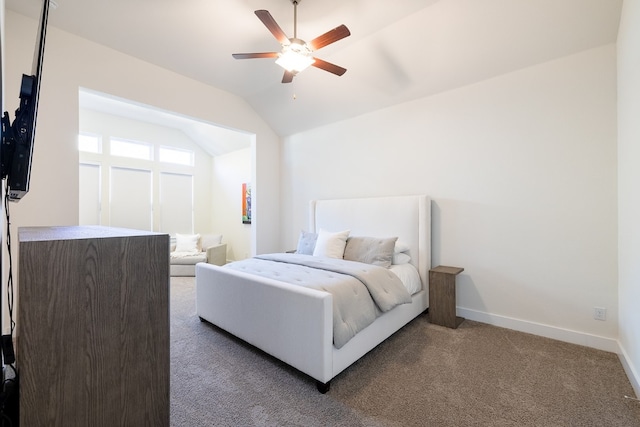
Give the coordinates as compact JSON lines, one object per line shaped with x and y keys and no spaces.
{"x":294,"y":323}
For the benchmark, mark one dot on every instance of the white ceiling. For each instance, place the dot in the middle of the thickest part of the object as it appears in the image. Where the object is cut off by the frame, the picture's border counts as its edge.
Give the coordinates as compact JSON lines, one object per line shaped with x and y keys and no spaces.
{"x":398,"y":50}
{"x":215,"y":140}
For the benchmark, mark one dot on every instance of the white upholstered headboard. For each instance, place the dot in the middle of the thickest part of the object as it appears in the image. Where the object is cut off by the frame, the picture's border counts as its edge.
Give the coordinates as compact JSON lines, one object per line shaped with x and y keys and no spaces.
{"x":405,"y":217}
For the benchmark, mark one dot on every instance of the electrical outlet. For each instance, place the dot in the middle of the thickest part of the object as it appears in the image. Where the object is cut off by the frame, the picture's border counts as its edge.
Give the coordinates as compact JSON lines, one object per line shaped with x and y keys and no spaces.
{"x":599,"y":313}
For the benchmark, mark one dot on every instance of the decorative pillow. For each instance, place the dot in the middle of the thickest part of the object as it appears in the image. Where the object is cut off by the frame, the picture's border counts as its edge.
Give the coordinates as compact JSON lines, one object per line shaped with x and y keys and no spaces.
{"x":400,"y":258}
{"x":306,"y":243}
{"x":187,"y":242}
{"x":331,"y":245}
{"x":370,"y":250}
{"x":400,"y":247}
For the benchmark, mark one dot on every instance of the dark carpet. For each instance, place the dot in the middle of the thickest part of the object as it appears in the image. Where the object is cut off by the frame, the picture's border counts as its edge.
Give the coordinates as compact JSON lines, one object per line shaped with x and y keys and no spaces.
{"x":424,"y":375}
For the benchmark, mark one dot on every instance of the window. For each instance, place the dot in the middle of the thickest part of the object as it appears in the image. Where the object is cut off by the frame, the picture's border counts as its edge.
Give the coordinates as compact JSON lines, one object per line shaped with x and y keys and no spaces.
{"x":176,"y":156}
{"x":134,"y":184}
{"x":131,"y":198}
{"x":90,"y":143}
{"x":176,"y":203}
{"x":131,"y":149}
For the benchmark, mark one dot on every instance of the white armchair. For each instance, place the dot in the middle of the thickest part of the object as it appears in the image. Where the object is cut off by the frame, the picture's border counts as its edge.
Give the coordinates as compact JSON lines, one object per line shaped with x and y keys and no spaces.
{"x":189,"y":249}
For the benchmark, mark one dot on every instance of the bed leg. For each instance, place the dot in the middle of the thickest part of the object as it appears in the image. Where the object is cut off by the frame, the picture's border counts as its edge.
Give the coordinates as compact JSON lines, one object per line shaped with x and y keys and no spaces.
{"x":323,"y":387}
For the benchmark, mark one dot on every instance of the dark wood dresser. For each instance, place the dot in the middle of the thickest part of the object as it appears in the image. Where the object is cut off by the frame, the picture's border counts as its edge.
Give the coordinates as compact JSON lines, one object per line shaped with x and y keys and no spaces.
{"x":93,"y":327}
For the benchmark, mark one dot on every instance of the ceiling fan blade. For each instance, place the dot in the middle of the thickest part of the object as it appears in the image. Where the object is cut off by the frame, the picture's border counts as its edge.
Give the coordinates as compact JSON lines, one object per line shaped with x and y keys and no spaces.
{"x":328,"y":66}
{"x":272,"y":26}
{"x":255,"y":55}
{"x":329,"y":37}
{"x":288,"y":77}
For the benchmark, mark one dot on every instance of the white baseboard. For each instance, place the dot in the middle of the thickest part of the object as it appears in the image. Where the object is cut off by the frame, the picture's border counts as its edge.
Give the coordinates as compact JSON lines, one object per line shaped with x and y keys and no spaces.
{"x":629,"y":369}
{"x":566,"y":335}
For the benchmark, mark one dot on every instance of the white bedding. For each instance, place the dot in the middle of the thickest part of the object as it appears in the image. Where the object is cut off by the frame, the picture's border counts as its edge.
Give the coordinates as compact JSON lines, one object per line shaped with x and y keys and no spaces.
{"x":409,"y":277}
{"x":361,"y":292}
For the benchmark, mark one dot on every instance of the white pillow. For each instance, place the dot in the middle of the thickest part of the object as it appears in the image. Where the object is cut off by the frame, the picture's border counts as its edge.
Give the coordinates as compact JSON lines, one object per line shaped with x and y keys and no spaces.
{"x":409,"y":277}
{"x":331,"y":245}
{"x":187,"y":242}
{"x":400,"y":258}
{"x":400,"y":247}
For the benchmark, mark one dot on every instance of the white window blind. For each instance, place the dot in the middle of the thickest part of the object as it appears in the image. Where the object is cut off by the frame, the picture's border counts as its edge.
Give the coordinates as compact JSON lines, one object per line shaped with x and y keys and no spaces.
{"x":130,"y":198}
{"x":176,"y":203}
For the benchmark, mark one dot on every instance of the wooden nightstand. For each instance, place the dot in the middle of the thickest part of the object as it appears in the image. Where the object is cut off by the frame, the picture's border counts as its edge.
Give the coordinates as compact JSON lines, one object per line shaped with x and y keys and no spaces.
{"x":442,"y":296}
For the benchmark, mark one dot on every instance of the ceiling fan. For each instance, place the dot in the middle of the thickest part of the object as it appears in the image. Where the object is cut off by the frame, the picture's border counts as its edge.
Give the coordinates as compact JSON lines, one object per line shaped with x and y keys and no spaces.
{"x":296,"y":54}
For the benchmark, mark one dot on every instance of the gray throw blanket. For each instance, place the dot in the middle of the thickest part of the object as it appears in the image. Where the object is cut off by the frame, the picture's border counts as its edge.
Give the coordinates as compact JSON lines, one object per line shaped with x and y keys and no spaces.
{"x":360,"y":291}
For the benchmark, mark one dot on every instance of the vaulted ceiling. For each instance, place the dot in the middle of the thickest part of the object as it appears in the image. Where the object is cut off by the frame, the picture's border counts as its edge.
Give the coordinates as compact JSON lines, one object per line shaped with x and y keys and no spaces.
{"x":398,"y":50}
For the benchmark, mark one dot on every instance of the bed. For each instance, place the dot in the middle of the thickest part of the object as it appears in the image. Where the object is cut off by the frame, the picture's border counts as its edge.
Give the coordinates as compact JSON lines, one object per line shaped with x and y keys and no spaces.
{"x":295,"y":323}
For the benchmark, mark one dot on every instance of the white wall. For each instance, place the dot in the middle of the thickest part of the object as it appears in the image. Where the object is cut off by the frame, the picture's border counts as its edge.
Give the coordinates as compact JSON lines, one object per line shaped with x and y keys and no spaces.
{"x":70,"y":63}
{"x":522,"y":171}
{"x":628,"y":186}
{"x":229,"y":172}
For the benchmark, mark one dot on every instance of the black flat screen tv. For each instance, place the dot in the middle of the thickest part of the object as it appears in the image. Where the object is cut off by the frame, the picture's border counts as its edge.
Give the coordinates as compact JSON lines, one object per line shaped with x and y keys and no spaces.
{"x":18,"y":136}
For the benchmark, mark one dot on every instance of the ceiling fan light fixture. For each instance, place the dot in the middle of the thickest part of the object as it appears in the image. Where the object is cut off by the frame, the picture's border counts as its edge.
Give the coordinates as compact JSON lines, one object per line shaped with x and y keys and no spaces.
{"x":296,"y":54}
{"x":295,"y":57}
